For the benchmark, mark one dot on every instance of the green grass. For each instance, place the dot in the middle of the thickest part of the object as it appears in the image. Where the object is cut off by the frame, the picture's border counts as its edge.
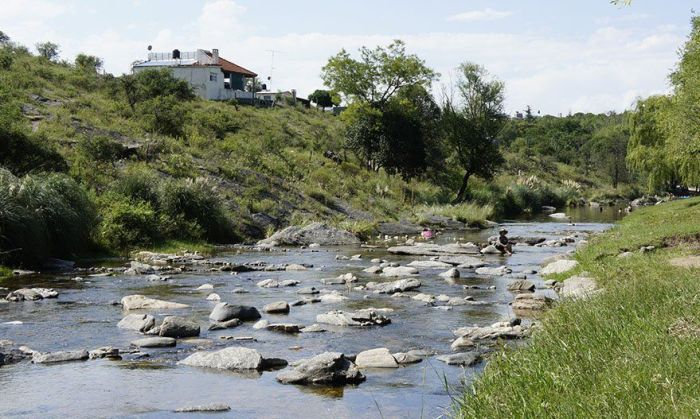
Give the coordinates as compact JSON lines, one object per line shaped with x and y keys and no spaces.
{"x":613,"y":355}
{"x":468,"y":213}
{"x":5,"y":273}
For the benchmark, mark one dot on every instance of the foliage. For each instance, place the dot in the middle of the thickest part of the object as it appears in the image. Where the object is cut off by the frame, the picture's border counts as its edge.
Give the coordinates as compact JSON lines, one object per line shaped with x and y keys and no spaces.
{"x":126,"y":223}
{"x":154,"y":84}
{"x":88,"y":63}
{"x":48,"y":50}
{"x":163,"y":114}
{"x":324,"y":98}
{"x":471,"y":125}
{"x":621,"y":353}
{"x":41,"y":216}
{"x":377,"y":75}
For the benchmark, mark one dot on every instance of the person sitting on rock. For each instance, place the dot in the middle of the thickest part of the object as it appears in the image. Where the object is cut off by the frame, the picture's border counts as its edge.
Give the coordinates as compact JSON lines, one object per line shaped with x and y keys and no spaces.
{"x":503,"y":243}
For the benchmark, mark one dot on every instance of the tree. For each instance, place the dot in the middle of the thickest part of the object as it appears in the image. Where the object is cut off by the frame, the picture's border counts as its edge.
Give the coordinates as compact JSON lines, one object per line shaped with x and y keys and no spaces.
{"x":472,"y":124}
{"x":324,"y":98}
{"x":47,"y":50}
{"x":88,"y":63}
{"x":4,"y":38}
{"x":377,"y":75}
{"x":609,"y":150}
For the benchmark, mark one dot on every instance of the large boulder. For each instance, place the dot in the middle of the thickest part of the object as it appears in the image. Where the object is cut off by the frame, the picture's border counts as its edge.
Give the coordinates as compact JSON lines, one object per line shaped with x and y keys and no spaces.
{"x":466,"y":359}
{"x":329,"y":368}
{"x":521,"y":285}
{"x":178,"y":327}
{"x":224,"y":311}
{"x":63,"y":356}
{"x":400,"y":285}
{"x":141,"y":302}
{"x":138,"y":322}
{"x":232,"y":358}
{"x":376,"y":358}
{"x":578,"y":287}
{"x":559,"y":267}
{"x":365,"y":317}
{"x":319,"y":233}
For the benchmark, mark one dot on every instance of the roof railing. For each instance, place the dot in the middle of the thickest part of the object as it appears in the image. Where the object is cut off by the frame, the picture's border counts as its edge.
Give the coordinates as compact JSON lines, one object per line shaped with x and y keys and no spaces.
{"x":166,"y":56}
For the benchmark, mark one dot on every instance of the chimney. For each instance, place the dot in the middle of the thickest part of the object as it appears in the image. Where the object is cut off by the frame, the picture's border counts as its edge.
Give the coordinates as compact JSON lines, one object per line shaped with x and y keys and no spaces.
{"x":215,"y":56}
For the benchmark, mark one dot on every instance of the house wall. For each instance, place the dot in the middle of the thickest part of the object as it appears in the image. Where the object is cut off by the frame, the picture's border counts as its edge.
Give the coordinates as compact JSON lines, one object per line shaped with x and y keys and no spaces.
{"x":201,"y":81}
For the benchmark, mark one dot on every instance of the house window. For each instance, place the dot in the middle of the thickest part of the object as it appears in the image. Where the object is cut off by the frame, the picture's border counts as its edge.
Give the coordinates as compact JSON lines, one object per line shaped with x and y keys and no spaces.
{"x":212,"y":76}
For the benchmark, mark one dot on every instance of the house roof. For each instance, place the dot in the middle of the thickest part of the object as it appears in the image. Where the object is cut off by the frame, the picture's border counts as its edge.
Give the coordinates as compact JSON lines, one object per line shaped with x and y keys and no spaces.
{"x":230,"y":67}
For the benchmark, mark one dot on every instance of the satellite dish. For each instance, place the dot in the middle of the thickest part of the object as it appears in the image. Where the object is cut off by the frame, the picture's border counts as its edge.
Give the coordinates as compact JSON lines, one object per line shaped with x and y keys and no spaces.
{"x":150,"y":47}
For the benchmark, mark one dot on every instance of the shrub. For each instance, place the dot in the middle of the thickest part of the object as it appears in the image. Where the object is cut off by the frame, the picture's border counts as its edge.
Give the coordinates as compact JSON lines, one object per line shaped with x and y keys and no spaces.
{"x":152,"y":84}
{"x":101,"y":149}
{"x":196,"y":201}
{"x":163,"y":115}
{"x":138,"y":185}
{"x":42,"y":216}
{"x":126,"y":223}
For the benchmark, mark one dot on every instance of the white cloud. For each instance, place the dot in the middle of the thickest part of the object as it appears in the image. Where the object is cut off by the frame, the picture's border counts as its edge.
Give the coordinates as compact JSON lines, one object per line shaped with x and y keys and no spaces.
{"x":477,"y":15}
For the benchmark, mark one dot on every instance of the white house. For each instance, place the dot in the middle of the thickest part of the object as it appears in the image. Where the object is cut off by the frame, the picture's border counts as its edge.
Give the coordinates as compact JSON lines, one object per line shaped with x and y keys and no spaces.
{"x":211,"y":76}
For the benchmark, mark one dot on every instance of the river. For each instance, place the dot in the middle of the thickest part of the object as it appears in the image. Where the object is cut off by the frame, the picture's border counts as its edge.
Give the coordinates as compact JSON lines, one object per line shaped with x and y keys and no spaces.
{"x":83,"y":317}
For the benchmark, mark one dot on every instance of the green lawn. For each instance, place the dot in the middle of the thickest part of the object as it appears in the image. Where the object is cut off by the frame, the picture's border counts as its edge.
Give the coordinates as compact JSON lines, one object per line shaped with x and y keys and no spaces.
{"x":614,"y":355}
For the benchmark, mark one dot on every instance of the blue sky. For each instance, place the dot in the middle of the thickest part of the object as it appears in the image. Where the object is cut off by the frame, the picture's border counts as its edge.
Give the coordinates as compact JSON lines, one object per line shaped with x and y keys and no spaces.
{"x":558,"y":56}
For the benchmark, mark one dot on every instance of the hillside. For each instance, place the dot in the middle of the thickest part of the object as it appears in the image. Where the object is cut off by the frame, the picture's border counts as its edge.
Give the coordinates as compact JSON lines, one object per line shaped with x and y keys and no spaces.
{"x":156,"y":168}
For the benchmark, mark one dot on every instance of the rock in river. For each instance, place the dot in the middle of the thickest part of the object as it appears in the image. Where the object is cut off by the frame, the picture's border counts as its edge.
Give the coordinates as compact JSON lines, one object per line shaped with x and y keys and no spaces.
{"x":155,"y":342}
{"x":231,"y":358}
{"x":329,"y":368}
{"x":452,"y":273}
{"x":319,"y":233}
{"x":279,"y":307}
{"x":178,"y":327}
{"x":578,"y":287}
{"x":500,"y":271}
{"x":431,"y":264}
{"x":427,"y":249}
{"x":365,"y":317}
{"x":63,"y":356}
{"x":466,"y":359}
{"x":500,"y":330}
{"x":394,"y":286}
{"x":141,"y":302}
{"x":31,"y":294}
{"x":530,"y":302}
{"x":376,"y":358}
{"x":224,"y":311}
{"x":138,"y":322}
{"x":399,"y":271}
{"x":214,"y":407}
{"x":521,"y":285}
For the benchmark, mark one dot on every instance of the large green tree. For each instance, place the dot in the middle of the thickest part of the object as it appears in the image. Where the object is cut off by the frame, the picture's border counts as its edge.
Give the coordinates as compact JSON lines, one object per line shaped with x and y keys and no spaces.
{"x":472,"y":121}
{"x":377,"y":75}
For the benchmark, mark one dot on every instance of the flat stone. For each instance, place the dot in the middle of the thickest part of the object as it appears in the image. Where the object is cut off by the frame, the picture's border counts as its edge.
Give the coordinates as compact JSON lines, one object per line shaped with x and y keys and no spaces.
{"x":432,"y":264}
{"x":499,"y":271}
{"x":155,"y":342}
{"x":279,"y":307}
{"x":376,"y":358}
{"x":231,"y":358}
{"x":428,"y":249}
{"x":63,"y":356}
{"x":205,"y":287}
{"x":225,"y":325}
{"x":578,"y":287}
{"x":284,"y":327}
{"x":295,"y":267}
{"x":401,"y":285}
{"x":214,"y":407}
{"x":529,"y":302}
{"x":404,"y":358}
{"x":141,"y":302}
{"x":314,"y":328}
{"x":373,"y":270}
{"x":104,"y":352}
{"x":365,"y":317}
{"x":399,"y":271}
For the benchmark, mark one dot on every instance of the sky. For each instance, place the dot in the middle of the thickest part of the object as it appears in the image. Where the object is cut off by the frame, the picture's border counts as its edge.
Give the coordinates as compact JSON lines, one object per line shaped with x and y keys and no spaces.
{"x":557,"y":56}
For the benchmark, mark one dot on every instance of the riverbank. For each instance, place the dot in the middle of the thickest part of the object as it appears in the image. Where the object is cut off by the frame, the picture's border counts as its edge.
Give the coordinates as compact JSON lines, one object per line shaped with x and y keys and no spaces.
{"x":630,"y":351}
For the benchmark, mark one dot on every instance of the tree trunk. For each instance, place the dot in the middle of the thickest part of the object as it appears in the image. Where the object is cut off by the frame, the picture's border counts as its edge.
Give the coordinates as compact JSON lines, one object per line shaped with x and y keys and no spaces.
{"x":461,"y":194}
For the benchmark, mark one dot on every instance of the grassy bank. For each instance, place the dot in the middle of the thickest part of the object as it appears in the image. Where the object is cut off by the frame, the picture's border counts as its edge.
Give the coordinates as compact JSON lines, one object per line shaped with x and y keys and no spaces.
{"x":630,"y":352}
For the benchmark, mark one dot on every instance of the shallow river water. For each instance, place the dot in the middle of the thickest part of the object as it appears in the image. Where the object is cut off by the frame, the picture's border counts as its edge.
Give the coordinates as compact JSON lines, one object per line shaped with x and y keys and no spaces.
{"x":83,"y":318}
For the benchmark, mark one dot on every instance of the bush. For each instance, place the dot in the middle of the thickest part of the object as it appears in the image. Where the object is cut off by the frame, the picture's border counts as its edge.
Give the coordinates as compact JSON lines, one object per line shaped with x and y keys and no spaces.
{"x":42,"y":216}
{"x":164,"y":115}
{"x":126,"y":223}
{"x":152,"y":84}
{"x":138,"y":185}
{"x":196,"y":202}
{"x":101,"y":149}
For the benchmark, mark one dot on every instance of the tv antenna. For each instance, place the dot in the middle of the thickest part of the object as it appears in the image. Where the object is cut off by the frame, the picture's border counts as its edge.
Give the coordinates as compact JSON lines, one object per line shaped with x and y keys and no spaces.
{"x":272,"y":66}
